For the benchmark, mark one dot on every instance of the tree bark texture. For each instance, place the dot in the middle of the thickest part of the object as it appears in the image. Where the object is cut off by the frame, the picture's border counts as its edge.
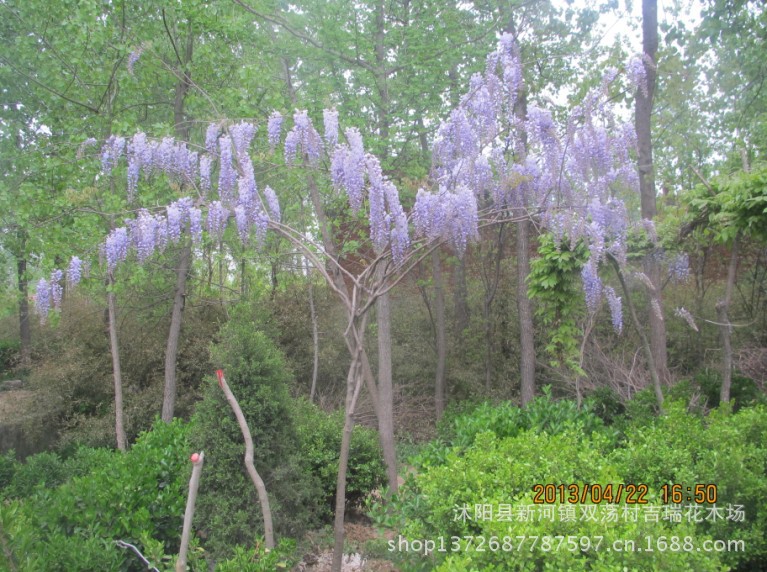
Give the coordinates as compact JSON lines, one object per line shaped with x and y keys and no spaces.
{"x":354,"y":382}
{"x":643,"y":125}
{"x":440,"y":390}
{"x":116,"y":369}
{"x":525,"y":311}
{"x":386,"y":384}
{"x":492,"y":279}
{"x":174,"y":334}
{"x":315,"y":338}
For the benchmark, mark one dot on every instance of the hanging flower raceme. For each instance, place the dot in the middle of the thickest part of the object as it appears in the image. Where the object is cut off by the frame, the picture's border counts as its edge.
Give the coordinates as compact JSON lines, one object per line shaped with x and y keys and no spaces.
{"x":116,"y":247}
{"x":592,"y":285}
{"x":75,"y":271}
{"x":43,"y":299}
{"x":218,"y":216}
{"x":303,"y":139}
{"x":111,"y":152}
{"x":448,"y":215}
{"x":348,"y":167}
{"x":616,"y":309}
{"x":274,"y":129}
{"x":330,"y":117}
{"x":272,"y":204}
{"x":57,"y":290}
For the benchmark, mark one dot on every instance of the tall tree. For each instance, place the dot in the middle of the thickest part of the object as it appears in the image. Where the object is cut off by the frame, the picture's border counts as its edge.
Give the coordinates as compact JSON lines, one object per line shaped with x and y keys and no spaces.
{"x":643,"y":122}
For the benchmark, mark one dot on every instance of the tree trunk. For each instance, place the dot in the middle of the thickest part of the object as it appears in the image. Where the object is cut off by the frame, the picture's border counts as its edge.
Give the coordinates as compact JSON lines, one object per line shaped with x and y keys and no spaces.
{"x":723,"y":317}
{"x":492,"y":281}
{"x":25,"y":335}
{"x":386,"y":386}
{"x":315,"y":336}
{"x":643,"y":124}
{"x":116,"y":369}
{"x":171,"y":350}
{"x":524,"y":308}
{"x":439,"y":315}
{"x":353,"y":385}
{"x":185,"y":258}
{"x":258,"y":482}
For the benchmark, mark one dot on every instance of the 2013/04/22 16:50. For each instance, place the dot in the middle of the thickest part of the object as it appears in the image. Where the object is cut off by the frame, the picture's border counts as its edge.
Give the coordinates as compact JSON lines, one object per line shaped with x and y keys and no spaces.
{"x":615,"y":493}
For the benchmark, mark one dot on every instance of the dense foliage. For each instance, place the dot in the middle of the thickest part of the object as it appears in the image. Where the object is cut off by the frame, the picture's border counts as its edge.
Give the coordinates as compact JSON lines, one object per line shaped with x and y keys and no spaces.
{"x":260,"y":187}
{"x":503,"y":462}
{"x":137,"y":498}
{"x":296,"y":447}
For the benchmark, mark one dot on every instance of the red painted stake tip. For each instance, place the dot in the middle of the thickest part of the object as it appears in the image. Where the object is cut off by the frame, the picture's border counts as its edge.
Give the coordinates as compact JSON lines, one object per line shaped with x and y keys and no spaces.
{"x":220,"y":375}
{"x":195,"y":457}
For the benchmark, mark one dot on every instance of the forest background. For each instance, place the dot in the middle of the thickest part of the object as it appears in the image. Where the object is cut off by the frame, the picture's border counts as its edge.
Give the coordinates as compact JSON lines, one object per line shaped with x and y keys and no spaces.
{"x":501,"y":320}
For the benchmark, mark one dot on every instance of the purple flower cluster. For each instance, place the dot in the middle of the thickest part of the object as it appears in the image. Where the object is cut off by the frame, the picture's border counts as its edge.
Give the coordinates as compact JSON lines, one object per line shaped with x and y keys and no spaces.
{"x":111,"y":153}
{"x":679,"y":268}
{"x":347,"y":168}
{"x":242,"y":135}
{"x":272,"y":203}
{"x":450,"y":215}
{"x":57,"y":290}
{"x":211,"y":138}
{"x":218,"y":215}
{"x":592,"y":285}
{"x":637,"y":73}
{"x":330,"y":117}
{"x":43,"y":299}
{"x":75,"y":271}
{"x":182,"y":215}
{"x":274,"y":128}
{"x":303,"y":139}
{"x":147,"y":157}
{"x":143,"y":232}
{"x":227,"y":175}
{"x":116,"y":247}
{"x":616,"y":309}
{"x":206,"y":163}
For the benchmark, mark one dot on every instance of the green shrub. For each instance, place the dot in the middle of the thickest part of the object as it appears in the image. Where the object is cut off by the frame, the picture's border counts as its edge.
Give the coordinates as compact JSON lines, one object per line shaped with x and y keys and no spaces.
{"x":85,"y":460}
{"x":724,"y":449}
{"x":744,"y":391}
{"x":296,"y":448}
{"x":228,"y":511}
{"x":508,"y":420}
{"x":319,"y":436}
{"x":129,"y":496}
{"x":502,"y":471}
{"x":607,"y":405}
{"x":43,"y":469}
{"x":8,"y":466}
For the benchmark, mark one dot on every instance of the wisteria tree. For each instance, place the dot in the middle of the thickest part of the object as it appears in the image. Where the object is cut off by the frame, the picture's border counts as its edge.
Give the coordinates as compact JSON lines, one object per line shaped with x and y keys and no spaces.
{"x":490,"y":164}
